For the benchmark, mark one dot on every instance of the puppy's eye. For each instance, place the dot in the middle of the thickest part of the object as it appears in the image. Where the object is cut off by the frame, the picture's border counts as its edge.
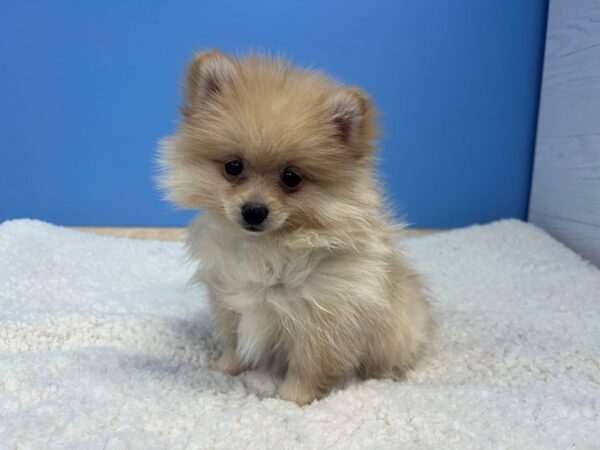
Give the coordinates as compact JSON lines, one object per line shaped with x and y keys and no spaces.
{"x":234,"y":168}
{"x":290,"y":179}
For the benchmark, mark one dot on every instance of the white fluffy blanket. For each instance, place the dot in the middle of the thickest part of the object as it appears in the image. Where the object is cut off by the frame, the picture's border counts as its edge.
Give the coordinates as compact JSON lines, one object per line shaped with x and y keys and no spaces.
{"x":103,"y":344}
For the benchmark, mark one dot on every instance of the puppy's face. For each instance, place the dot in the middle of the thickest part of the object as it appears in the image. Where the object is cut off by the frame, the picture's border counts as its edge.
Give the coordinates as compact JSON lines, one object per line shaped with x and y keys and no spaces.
{"x":269,"y":148}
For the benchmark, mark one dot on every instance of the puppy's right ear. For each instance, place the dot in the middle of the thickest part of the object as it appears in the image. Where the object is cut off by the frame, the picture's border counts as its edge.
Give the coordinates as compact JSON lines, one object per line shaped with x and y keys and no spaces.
{"x":208,"y":74}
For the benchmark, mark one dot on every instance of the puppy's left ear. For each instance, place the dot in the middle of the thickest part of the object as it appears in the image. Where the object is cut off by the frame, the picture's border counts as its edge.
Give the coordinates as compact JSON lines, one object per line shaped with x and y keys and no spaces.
{"x":352,"y":117}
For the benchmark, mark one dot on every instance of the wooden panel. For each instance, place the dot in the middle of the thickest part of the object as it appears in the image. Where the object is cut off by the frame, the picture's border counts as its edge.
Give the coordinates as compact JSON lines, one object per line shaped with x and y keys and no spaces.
{"x":178,"y":234}
{"x":160,"y":234}
{"x":565,"y":195}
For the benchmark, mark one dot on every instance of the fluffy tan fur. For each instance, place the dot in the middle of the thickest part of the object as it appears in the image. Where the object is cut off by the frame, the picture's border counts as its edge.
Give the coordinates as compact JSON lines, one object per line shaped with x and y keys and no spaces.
{"x":322,"y":292}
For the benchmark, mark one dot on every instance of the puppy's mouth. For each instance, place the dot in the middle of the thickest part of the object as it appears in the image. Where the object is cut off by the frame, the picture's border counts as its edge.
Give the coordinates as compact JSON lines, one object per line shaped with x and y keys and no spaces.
{"x":253,"y":228}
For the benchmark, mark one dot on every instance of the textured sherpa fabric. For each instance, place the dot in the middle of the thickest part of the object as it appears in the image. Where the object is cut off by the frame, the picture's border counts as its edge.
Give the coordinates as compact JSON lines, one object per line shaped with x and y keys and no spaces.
{"x":105,"y":345}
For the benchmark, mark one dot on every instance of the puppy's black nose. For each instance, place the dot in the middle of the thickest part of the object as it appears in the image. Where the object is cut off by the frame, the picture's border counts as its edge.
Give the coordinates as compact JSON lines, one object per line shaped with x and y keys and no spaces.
{"x":254,"y":213}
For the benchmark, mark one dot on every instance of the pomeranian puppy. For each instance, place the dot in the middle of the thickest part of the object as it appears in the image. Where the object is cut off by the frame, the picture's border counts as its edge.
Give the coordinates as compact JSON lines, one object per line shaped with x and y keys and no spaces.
{"x":295,"y":246}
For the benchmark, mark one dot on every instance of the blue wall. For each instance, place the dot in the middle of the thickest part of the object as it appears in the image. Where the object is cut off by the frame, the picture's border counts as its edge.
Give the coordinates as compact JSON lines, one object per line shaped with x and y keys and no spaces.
{"x":87,"y":88}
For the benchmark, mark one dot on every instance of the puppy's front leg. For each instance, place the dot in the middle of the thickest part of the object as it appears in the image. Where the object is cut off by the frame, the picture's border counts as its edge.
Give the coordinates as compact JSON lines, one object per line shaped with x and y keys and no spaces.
{"x":317,"y":359}
{"x":227,"y":322}
{"x":301,"y":383}
{"x":229,"y":363}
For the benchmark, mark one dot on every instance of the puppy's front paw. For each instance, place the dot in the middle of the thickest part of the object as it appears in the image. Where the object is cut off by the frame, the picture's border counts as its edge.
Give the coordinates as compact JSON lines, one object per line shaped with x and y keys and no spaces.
{"x":294,"y":391}
{"x":228,"y":363}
